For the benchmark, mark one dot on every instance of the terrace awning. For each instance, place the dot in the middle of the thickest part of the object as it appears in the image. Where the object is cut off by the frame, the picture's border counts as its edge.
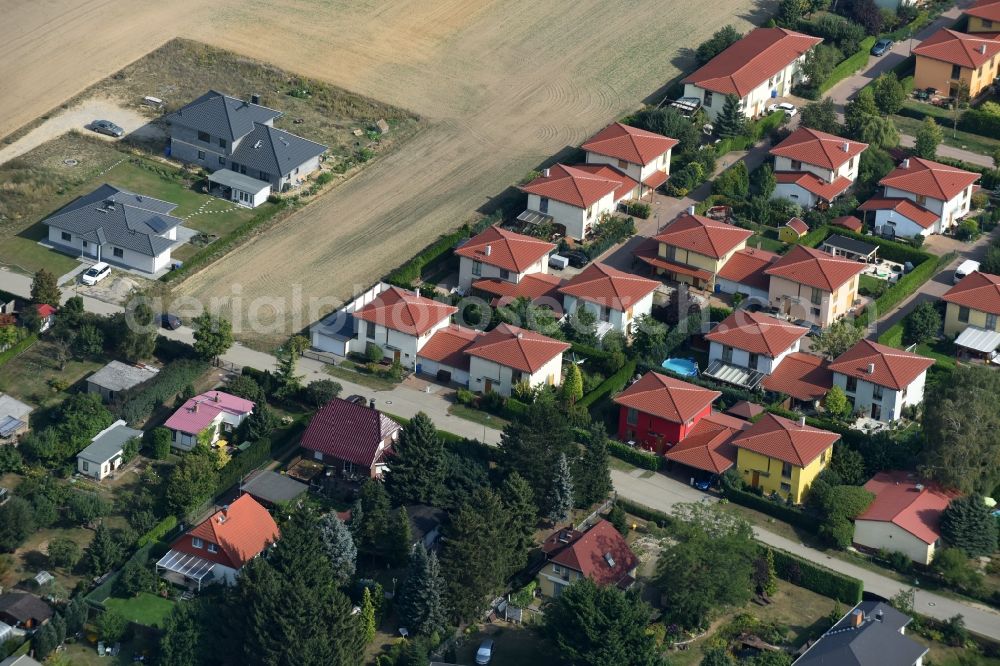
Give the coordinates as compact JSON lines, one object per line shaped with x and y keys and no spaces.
{"x":978,"y":340}
{"x":190,"y":566}
{"x":10,"y":425}
{"x":533,"y":217}
{"x":736,"y":375}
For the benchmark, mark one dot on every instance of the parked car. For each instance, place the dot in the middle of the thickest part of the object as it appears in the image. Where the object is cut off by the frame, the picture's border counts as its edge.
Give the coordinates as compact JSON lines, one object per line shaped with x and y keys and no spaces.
{"x":357,"y":399}
{"x":787,"y":107}
{"x":171,"y":322}
{"x":576,"y":258}
{"x":964,"y":269}
{"x":107,"y":127}
{"x":881,"y":47}
{"x":484,"y":655}
{"x":95,"y":273}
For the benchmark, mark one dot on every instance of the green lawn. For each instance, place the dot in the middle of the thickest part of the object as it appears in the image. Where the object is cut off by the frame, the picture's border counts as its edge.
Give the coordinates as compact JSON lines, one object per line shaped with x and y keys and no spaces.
{"x":942,"y":351}
{"x":477,"y":416}
{"x":347,"y":372}
{"x":26,"y":377}
{"x":513,"y":646}
{"x":146,"y":609}
{"x":972,"y":142}
{"x":25,"y":254}
{"x":769,"y":244}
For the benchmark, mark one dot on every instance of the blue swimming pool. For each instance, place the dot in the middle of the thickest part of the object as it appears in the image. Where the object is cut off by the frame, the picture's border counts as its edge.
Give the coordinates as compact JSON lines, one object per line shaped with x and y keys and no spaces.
{"x":686,"y":367}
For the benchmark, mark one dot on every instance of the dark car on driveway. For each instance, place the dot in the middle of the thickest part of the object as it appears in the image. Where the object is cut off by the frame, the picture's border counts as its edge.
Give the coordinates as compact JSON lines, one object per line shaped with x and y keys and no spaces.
{"x":576,"y":259}
{"x":881,"y":47}
{"x":170,"y":321}
{"x":107,"y":127}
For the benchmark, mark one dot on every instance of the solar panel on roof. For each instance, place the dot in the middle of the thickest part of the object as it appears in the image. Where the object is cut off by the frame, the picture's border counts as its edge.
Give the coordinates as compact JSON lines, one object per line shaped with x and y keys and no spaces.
{"x":158,"y":224}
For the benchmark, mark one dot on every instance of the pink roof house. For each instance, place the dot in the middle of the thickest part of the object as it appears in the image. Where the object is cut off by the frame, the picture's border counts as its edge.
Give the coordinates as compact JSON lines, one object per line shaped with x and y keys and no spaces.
{"x":215,"y":410}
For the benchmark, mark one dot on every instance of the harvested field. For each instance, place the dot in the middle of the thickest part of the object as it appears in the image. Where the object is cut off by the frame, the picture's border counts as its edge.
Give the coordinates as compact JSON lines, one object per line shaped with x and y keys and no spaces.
{"x":502,"y":84}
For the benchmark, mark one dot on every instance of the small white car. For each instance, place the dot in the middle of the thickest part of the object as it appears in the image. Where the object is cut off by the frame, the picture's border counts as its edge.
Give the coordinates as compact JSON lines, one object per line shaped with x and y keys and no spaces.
{"x":96,"y":273}
{"x":787,"y":107}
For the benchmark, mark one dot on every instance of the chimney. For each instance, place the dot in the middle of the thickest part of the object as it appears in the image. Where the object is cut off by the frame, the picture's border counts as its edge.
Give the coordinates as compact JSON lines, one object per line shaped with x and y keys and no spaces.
{"x":857,"y":617}
{"x":919,"y":487}
{"x":545,"y":173}
{"x":802,"y":422}
{"x":879,"y":615}
{"x":216,"y":397}
{"x":690,"y":210}
{"x":982,"y":49}
{"x":520,"y":335}
{"x":194,"y":407}
{"x":870,"y":369}
{"x":489,"y":249}
{"x":255,"y":98}
{"x":906,"y":163}
{"x":371,"y":403}
{"x":846,"y":147}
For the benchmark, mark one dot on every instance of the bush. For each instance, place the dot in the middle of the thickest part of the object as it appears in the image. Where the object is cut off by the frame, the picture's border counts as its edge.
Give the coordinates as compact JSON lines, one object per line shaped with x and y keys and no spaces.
{"x":373,"y":353}
{"x":637,"y":457}
{"x":18,"y":348}
{"x":158,"y":442}
{"x":638,"y":209}
{"x":645,"y":512}
{"x":783,"y":512}
{"x":982,"y":121}
{"x":817,"y":578}
{"x":162,"y":529}
{"x":615,"y":382}
{"x":849,"y":65}
{"x":465,"y":396}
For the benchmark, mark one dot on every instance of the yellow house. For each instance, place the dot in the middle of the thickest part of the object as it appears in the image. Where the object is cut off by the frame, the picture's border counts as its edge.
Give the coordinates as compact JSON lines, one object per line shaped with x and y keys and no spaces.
{"x":693,"y":249}
{"x":783,"y":457}
{"x":975,"y":301}
{"x":792,"y":231}
{"x":813,"y":286}
{"x":984,"y":16}
{"x":948,"y":57}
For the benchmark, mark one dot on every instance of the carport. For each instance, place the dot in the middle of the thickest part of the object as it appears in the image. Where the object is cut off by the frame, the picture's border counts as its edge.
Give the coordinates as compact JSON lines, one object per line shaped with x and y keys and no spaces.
{"x":978,"y":342}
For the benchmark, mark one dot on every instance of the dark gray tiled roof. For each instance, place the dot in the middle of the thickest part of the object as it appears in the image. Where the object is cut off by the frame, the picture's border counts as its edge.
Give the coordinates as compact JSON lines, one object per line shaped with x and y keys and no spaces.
{"x":221,"y":115}
{"x":273,"y":487}
{"x":877,"y":642}
{"x":850,"y":244}
{"x":117,"y":217}
{"x":275,"y":151}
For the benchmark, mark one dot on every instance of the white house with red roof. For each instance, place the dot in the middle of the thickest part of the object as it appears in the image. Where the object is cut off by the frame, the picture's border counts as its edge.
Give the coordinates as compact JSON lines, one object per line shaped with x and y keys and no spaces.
{"x":765,"y":64}
{"x":615,"y":297}
{"x":354,"y":438}
{"x":502,"y":256}
{"x":214,"y":411}
{"x":509,"y":355}
{"x":217,"y":548}
{"x":812,"y":167}
{"x":936,"y":191}
{"x":899,"y":217}
{"x":745,"y":274}
{"x":904,"y":517}
{"x":804,"y":378}
{"x":880,"y":381}
{"x":577,"y":197}
{"x":600,"y":554}
{"x":747,"y":346}
{"x":641,"y":155}
{"x":400,"y":322}
{"x":444,"y":357}
{"x":813,"y":286}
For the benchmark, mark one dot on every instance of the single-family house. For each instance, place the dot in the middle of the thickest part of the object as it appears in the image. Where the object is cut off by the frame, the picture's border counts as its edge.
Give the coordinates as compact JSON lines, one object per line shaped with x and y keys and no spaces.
{"x":943,"y":190}
{"x":747,"y":346}
{"x":804,"y":378}
{"x":904,"y":517}
{"x":444,"y":357}
{"x":509,"y":355}
{"x":117,"y":227}
{"x":22,"y":610}
{"x":812,"y":167}
{"x":783,"y":457}
{"x":600,"y":554}
{"x":541,"y":289}
{"x":14,"y":418}
{"x":272,"y":488}
{"x":577,"y":197}
{"x":425,"y":524}
{"x":972,"y":303}
{"x":984,"y":16}
{"x":615,"y":297}
{"x":850,"y":248}
{"x":215,"y":411}
{"x":880,"y":381}
{"x":400,"y":322}
{"x":873,"y":633}
{"x":899,"y":217}
{"x":791,"y":231}
{"x":765,"y":64}
{"x":813,"y":286}
{"x":693,"y":249}
{"x":354,"y":438}
{"x":745,"y":410}
{"x":708,"y":448}
{"x":745,"y":274}
{"x":117,"y":377}
{"x":216,"y":549}
{"x":106,"y":451}
{"x":217,"y":131}
{"x":501,"y":255}
{"x":949,"y":58}
{"x":641,"y":155}
{"x":658,"y":411}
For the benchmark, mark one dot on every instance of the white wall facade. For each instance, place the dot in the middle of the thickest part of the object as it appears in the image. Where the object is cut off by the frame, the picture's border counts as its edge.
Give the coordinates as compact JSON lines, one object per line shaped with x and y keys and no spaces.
{"x":621,"y":321}
{"x":76,"y":246}
{"x":639,"y":172}
{"x":98,"y":469}
{"x":729,"y":287}
{"x":741,"y":357}
{"x":903,"y":226}
{"x":949,"y":212}
{"x":392,"y":341}
{"x":430,"y":368}
{"x":503,"y":378}
{"x":576,"y":220}
{"x":877,"y":534}
{"x":848,"y":169}
{"x":796,"y":194}
{"x":757,"y":100}
{"x":467,"y":273}
{"x":223,"y":422}
{"x":891,"y":402}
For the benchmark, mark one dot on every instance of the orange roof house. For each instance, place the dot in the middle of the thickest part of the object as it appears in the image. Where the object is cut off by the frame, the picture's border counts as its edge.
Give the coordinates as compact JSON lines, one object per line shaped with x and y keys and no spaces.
{"x":745,"y":274}
{"x":753,"y":341}
{"x":941,"y":189}
{"x":658,"y":410}
{"x":614,"y":296}
{"x":501,"y":254}
{"x":819,"y":149}
{"x":643,"y":155}
{"x":899,"y":217}
{"x":807,"y":189}
{"x":708,"y":447}
{"x":984,"y":16}
{"x":693,"y":249}
{"x":949,"y":56}
{"x":812,"y":285}
{"x":541,"y":289}
{"x":600,"y":554}
{"x":849,"y":222}
{"x":400,"y":322}
{"x":811,"y":166}
{"x":973,"y":302}
{"x":880,"y":380}
{"x":803,"y":377}
{"x":508,"y":355}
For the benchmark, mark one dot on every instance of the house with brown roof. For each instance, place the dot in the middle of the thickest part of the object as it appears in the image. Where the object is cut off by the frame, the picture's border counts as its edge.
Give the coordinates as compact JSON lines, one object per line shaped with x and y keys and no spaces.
{"x":400,"y":322}
{"x":804,"y":378}
{"x":765,"y":64}
{"x":813,"y":286}
{"x":904,"y":517}
{"x":880,"y":381}
{"x":745,"y":274}
{"x":658,"y":411}
{"x":984,"y":16}
{"x":783,"y":457}
{"x":692,"y":249}
{"x":949,"y":57}
{"x":641,"y":155}
{"x":576,"y":198}
{"x":972,"y":303}
{"x":600,"y":554}
{"x":813,"y":167}
{"x":23,"y":610}
{"x":217,"y":548}
{"x":355,"y":439}
{"x":747,"y":346}
{"x":500,"y":255}
{"x":509,"y":355}
{"x":615,"y":297}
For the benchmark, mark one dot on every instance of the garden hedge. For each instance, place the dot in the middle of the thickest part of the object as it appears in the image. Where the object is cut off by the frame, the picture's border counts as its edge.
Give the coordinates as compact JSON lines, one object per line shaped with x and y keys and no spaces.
{"x":408,"y":273}
{"x":892,"y":336}
{"x":137,"y":404}
{"x":849,"y":65}
{"x":979,"y":122}
{"x":160,"y":530}
{"x":637,"y":457}
{"x":242,"y":463}
{"x":17,"y":348}
{"x":792,"y":516}
{"x":906,"y":286}
{"x":817,"y":578}
{"x":645,"y":512}
{"x":615,"y":382}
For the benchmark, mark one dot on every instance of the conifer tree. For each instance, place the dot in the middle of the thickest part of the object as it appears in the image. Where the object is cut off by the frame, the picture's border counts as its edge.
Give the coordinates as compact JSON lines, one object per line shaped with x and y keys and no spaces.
{"x":76,"y":615}
{"x":591,"y":473}
{"x":967,"y":524}
{"x":731,"y":121}
{"x":398,"y":538}
{"x":572,"y":386}
{"x":339,"y":547}
{"x":416,"y":471}
{"x":532,"y":443}
{"x":522,"y":517}
{"x":421,"y":598}
{"x":367,"y":616}
{"x":561,"y":495}
{"x":373,"y":521}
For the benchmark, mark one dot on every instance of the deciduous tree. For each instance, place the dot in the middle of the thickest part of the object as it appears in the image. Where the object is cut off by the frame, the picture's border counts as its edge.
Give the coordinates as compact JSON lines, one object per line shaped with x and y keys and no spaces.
{"x":888,"y":93}
{"x":45,"y":289}
{"x":837,"y":338}
{"x":322,"y":391}
{"x":720,"y":40}
{"x":922,"y":324}
{"x":16,"y":523}
{"x":820,"y":116}
{"x":192,"y":481}
{"x":929,"y":137}
{"x":212,"y":335}
{"x":835,"y":403}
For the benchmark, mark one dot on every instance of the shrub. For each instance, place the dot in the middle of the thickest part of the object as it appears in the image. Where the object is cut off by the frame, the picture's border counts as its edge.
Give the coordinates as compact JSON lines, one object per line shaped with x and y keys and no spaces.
{"x":639,"y":209}
{"x":817,"y":578}
{"x":465,"y":396}
{"x":136,"y":405}
{"x":615,"y":382}
{"x":161,"y":530}
{"x":783,"y":512}
{"x":637,"y":457}
{"x":373,"y":353}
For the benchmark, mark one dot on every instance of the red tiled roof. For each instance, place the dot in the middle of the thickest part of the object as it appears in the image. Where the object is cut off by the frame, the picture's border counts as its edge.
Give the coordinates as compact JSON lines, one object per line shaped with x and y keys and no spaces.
{"x":242,"y":531}
{"x":666,"y":397}
{"x":985,"y":9}
{"x":506,"y":249}
{"x":752,"y":61}
{"x":629,"y":143}
{"x":447,"y":346}
{"x":802,"y":376}
{"x":748,"y":266}
{"x":779,"y":438}
{"x":756,"y":332}
{"x":849,"y":222}
{"x":745,"y":410}
{"x":900,"y":502}
{"x":930,"y":179}
{"x":648,"y":252}
{"x":349,"y":431}
{"x":540,"y":288}
{"x":581,"y":185}
{"x":810,"y":182}
{"x":814,"y":268}
{"x":894,"y":368}
{"x":818,"y":148}
{"x":958,"y":48}
{"x":609,"y":287}
{"x":405,"y":311}
{"x":979,"y":291}
{"x":517,"y":348}
{"x":905,"y":207}
{"x":45,"y":310}
{"x":587,"y":553}
{"x":703,"y":235}
{"x":798,"y":226}
{"x":656,"y":179}
{"x":707,"y":447}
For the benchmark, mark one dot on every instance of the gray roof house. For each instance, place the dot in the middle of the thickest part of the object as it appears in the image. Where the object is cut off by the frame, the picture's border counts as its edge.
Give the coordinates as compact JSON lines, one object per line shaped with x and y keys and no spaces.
{"x":219,"y":132}
{"x":13,"y":418}
{"x":118,"y":227}
{"x":105,"y":453}
{"x":116,"y":377}
{"x":871,"y":634}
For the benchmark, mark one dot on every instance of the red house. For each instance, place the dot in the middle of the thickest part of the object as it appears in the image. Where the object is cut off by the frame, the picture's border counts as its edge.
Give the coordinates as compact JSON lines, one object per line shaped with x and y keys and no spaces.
{"x":659,"y":411}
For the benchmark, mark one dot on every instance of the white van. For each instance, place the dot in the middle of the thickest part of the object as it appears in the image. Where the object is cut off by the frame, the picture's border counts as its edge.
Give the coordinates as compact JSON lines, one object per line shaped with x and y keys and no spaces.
{"x":967,"y":267}
{"x":96,"y":273}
